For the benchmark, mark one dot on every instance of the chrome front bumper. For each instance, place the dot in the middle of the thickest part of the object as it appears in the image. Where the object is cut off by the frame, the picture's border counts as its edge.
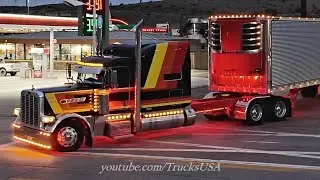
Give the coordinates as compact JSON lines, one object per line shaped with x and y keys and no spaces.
{"x":31,"y":136}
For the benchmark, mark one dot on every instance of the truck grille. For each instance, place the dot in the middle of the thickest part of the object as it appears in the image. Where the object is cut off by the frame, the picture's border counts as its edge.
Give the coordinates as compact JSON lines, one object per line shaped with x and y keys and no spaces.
{"x":30,"y":108}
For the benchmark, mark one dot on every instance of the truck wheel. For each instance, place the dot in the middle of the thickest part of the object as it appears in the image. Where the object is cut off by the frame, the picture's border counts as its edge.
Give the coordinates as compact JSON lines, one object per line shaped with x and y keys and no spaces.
{"x":68,"y":136}
{"x":3,"y":72}
{"x":13,"y":73}
{"x":309,"y":92}
{"x":280,"y":109}
{"x":255,"y":113}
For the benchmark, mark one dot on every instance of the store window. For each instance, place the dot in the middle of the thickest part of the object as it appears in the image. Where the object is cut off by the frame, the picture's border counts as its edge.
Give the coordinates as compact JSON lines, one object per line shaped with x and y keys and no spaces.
{"x":75,"y":52}
{"x":20,"y":52}
{"x":66,"y":52}
{"x":11,"y":51}
{"x":28,"y":51}
{"x":3,"y":50}
{"x":56,"y":52}
{"x":7,"y":51}
{"x":86,"y":50}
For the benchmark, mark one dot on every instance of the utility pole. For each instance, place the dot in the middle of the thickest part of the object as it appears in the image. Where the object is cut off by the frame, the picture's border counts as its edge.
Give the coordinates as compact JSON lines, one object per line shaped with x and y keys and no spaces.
{"x":137,"y":92}
{"x":28,"y":6}
{"x":303,"y":8}
{"x":105,"y":30}
{"x":94,"y":32}
{"x":181,"y":22}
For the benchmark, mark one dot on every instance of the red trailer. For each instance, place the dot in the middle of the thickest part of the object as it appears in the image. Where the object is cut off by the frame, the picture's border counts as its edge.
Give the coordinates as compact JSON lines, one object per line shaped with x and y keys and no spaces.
{"x":258,"y":65}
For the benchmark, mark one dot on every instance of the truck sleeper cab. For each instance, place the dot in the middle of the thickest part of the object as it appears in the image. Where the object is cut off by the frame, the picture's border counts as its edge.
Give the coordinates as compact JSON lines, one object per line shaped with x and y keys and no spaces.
{"x":101,"y":103}
{"x":258,"y":64}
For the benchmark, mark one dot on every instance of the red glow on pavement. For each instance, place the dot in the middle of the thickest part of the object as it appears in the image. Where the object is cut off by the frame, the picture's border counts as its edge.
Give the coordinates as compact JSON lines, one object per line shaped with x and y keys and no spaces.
{"x":199,"y":128}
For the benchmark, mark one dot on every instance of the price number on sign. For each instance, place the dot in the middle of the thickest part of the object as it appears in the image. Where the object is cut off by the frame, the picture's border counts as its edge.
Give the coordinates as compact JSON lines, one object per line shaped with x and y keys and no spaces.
{"x":98,"y":3}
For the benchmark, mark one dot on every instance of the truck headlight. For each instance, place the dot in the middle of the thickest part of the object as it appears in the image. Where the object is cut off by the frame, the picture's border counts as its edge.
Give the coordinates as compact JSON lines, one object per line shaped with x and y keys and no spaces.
{"x":16,"y":112}
{"x":48,"y":119}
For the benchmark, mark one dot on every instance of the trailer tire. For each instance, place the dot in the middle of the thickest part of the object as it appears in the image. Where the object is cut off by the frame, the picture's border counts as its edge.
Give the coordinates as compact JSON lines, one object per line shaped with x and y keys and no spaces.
{"x":72,"y":142}
{"x":3,"y":72}
{"x":280,"y":109}
{"x":256,"y":113}
{"x":309,"y":92}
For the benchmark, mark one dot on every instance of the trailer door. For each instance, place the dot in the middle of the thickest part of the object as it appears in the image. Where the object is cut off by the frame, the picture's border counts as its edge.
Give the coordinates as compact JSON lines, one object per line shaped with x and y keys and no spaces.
{"x":237,"y":65}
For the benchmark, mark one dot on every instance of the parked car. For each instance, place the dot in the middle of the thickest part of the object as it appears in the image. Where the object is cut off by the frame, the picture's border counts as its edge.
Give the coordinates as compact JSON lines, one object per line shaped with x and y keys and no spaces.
{"x":8,"y":68}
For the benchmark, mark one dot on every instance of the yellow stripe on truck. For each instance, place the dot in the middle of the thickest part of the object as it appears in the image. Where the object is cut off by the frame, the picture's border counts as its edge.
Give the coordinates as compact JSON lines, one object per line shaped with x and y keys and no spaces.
{"x":156,"y":66}
{"x":165,"y":104}
{"x":52,"y":100}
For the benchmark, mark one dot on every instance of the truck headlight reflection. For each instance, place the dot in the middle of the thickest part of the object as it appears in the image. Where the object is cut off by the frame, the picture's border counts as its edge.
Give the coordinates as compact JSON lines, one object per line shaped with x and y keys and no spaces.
{"x":48,"y":119}
{"x":16,"y":112}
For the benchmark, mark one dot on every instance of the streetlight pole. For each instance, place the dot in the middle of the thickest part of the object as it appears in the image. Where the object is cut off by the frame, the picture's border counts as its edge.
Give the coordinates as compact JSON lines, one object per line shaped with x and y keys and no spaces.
{"x":137,"y":100}
{"x":94,"y":33}
{"x":28,"y":6}
{"x":303,"y":4}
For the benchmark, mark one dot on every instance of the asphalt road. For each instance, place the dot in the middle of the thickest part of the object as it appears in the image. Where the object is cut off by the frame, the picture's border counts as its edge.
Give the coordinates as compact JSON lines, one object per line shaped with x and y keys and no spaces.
{"x":226,"y":149}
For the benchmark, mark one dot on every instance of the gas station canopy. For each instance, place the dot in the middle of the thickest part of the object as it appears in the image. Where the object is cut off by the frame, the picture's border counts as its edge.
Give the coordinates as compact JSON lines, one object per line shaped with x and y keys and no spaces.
{"x":21,"y":23}
{"x":14,"y":23}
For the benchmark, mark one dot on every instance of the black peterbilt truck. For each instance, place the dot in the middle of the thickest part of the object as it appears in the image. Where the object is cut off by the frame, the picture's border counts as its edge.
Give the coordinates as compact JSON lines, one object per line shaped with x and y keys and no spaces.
{"x":101,"y":101}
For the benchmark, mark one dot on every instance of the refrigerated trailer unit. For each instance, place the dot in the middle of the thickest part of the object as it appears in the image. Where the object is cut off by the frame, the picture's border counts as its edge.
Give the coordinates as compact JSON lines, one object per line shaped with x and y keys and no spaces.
{"x":259,"y":64}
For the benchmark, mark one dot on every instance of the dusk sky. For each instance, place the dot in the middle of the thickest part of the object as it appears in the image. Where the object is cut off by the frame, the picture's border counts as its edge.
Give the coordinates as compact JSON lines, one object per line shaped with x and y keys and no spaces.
{"x":41,"y":2}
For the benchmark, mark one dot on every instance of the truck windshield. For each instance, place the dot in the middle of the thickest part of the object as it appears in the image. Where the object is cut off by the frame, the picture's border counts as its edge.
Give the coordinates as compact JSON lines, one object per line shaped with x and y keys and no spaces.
{"x":87,"y":78}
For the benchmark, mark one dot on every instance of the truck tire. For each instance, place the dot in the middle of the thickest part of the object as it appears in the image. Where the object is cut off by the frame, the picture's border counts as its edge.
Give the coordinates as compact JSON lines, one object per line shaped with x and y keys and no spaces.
{"x":3,"y":72}
{"x":13,"y":73}
{"x":256,"y":113}
{"x":309,"y":92}
{"x":68,"y":136}
{"x":280,"y":109}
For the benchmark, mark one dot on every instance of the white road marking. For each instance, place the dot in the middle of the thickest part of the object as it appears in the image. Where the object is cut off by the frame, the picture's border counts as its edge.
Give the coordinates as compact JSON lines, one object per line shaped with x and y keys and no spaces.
{"x":192,"y":145}
{"x":229,"y":134}
{"x":7,"y":144}
{"x":265,"y":132}
{"x":301,"y":154}
{"x":262,"y":142}
{"x":298,"y":135}
{"x":231,"y":129}
{"x":241,"y":163}
{"x":250,"y":151}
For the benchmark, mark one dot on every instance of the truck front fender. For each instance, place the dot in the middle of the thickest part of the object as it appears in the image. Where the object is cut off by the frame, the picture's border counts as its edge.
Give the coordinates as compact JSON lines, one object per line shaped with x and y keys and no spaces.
{"x":62,"y":118}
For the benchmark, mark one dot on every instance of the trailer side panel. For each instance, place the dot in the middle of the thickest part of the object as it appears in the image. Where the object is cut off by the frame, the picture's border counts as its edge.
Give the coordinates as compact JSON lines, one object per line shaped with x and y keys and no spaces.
{"x":295,"y":48}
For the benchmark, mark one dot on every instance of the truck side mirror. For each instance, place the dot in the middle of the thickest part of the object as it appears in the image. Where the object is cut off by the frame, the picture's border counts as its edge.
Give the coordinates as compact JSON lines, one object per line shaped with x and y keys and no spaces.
{"x":113,"y":78}
{"x":69,"y":76}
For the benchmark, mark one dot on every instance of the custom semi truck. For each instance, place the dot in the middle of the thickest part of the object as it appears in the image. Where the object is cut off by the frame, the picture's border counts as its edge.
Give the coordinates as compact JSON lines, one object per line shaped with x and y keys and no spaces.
{"x":257,"y":66}
{"x":102,"y":101}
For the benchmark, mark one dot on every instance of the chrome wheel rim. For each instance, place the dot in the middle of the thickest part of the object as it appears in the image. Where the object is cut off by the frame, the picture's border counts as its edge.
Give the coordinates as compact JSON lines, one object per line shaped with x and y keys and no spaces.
{"x":280,"y":109}
{"x":256,"y":112}
{"x":67,"y":136}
